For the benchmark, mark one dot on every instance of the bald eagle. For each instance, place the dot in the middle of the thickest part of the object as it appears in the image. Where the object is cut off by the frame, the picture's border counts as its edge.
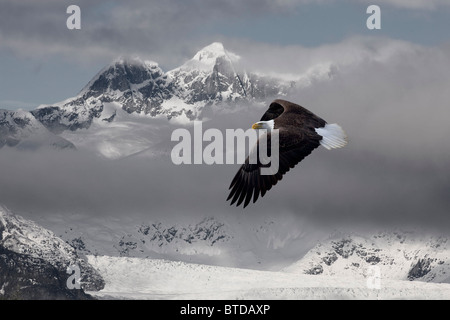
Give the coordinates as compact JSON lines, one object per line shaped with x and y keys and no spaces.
{"x":300,"y":132}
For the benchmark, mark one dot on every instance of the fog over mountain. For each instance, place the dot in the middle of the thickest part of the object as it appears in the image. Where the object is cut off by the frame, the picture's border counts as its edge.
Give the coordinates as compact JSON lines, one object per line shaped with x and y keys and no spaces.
{"x":390,"y":98}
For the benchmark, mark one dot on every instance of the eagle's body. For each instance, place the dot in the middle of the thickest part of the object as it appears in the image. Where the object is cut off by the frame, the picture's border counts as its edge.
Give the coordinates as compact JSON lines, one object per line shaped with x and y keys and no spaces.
{"x":300,"y":132}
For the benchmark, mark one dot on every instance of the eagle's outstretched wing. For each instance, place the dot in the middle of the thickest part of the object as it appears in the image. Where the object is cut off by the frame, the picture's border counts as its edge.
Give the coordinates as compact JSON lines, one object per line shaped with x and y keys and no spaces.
{"x":249,"y":182}
{"x":300,"y":132}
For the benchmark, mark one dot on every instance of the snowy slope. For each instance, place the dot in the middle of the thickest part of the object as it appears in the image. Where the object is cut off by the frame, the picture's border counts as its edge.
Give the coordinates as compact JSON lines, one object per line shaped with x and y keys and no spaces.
{"x":22,"y":130}
{"x":125,"y":136}
{"x":398,"y":255}
{"x":137,"y":278}
{"x":210,"y":76}
{"x":229,"y":242}
{"x":22,"y":240}
{"x":267,"y":245}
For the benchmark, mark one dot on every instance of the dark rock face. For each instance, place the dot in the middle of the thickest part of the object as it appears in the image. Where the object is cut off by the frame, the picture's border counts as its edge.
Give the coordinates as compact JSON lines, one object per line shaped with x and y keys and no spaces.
{"x":22,"y":130}
{"x":34,"y":263}
{"x":330,"y":259}
{"x":344,"y":248}
{"x":111,"y":118}
{"x":373,"y":260}
{"x":27,"y":278}
{"x":50,"y":117}
{"x":10,"y":127}
{"x":208,"y":232}
{"x":224,"y":84}
{"x":138,"y":86}
{"x":222,"y":79}
{"x":123,"y":74}
{"x":396,"y":254}
{"x":315,"y":270}
{"x":421,"y":268}
{"x":72,"y":116}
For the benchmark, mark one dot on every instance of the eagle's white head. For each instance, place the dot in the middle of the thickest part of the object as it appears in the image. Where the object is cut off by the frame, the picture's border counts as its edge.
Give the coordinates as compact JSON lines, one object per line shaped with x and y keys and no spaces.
{"x":268,"y":125}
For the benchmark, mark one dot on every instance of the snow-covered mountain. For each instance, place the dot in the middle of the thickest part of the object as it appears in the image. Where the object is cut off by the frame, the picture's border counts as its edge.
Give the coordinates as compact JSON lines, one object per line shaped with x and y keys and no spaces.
{"x":142,"y":87}
{"x":131,"y":86}
{"x":22,"y":130}
{"x":126,"y":263}
{"x":211,"y":76}
{"x":135,"y":86}
{"x":201,"y":238}
{"x":398,"y":255}
{"x":155,"y":238}
{"x":208,"y":240}
{"x":34,"y":262}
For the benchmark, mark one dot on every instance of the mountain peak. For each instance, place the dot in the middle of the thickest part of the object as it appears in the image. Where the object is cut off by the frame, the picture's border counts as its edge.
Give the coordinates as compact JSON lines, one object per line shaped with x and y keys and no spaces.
{"x":213,"y":75}
{"x":131,"y":61}
{"x":206,"y":58}
{"x":212,"y":51}
{"x":121,"y":75}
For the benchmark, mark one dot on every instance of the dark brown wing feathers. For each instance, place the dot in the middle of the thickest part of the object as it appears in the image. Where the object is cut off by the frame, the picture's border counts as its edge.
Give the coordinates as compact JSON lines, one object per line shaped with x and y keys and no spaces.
{"x":297,"y":139}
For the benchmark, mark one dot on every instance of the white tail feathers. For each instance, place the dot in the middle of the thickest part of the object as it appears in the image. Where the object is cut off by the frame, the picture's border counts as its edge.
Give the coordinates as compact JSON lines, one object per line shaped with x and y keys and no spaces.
{"x":332,"y":136}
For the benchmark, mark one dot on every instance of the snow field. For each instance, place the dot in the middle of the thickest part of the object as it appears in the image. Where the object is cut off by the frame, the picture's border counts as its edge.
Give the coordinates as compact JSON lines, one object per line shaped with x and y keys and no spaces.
{"x":137,"y":278}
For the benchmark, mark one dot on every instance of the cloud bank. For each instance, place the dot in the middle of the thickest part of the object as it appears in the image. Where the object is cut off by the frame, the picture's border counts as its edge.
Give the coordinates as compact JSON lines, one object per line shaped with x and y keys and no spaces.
{"x":390,"y":97}
{"x":165,"y":31}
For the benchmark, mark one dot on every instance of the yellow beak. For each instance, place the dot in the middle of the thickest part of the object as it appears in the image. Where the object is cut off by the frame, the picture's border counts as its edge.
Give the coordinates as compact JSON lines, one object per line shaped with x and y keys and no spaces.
{"x":256,"y":126}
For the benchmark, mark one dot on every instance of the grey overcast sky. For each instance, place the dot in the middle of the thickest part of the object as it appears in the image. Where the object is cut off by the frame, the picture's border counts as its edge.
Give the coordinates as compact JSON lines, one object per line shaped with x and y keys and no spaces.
{"x":43,"y":62}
